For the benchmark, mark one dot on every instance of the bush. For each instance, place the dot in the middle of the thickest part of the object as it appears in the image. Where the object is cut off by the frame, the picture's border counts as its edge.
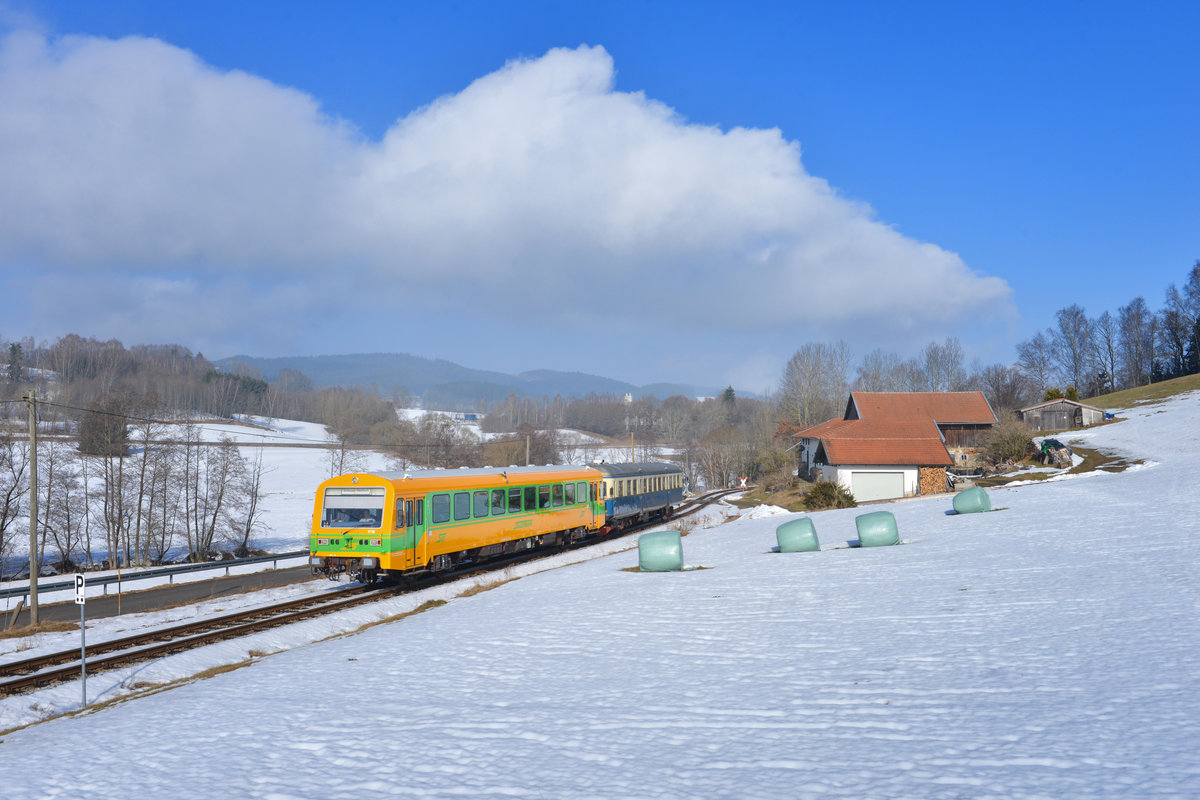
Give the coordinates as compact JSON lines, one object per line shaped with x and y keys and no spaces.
{"x":828,"y":494}
{"x":1010,"y":441}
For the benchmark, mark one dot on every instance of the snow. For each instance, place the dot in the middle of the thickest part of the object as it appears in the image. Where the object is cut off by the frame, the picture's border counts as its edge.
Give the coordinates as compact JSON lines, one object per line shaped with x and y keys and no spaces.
{"x":1050,"y":649}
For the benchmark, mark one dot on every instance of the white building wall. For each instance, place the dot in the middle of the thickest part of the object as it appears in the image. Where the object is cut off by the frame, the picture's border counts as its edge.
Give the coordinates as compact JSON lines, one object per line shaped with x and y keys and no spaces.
{"x":841,"y":474}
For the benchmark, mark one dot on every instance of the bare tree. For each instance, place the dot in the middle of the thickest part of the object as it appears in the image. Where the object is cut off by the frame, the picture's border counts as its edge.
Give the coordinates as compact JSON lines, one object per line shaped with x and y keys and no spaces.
{"x":943,"y":366}
{"x":247,"y":517}
{"x":14,"y":486}
{"x":1073,"y":347}
{"x":64,"y":505}
{"x":879,"y":371}
{"x":814,"y":383}
{"x":1138,"y":330}
{"x":219,"y":468}
{"x":344,"y":459}
{"x":1006,"y":388}
{"x":1107,"y":338}
{"x":1035,"y":359}
{"x":1175,"y":326}
{"x":673,"y":416}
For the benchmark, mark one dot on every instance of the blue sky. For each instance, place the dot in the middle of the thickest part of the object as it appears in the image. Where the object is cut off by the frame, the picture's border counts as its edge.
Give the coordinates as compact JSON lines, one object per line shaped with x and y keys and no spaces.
{"x":551,"y":185}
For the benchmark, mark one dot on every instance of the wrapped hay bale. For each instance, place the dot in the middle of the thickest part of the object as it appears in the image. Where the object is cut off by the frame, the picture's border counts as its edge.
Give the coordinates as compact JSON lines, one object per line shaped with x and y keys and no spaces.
{"x":660,"y":551}
{"x":797,"y":535}
{"x":972,"y":501}
{"x":877,"y":529}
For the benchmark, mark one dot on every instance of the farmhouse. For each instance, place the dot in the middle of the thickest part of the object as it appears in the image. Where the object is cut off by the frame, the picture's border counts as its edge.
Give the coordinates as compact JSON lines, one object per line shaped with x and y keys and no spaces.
{"x":897,"y":444}
{"x":1060,"y":414}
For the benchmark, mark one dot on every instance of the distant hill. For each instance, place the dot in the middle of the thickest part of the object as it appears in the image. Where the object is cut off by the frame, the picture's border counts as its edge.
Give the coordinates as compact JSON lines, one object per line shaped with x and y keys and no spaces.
{"x":444,"y":384}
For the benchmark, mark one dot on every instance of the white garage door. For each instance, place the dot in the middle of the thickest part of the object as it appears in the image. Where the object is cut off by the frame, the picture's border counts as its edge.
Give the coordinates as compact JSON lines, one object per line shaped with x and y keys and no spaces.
{"x":876,"y":485}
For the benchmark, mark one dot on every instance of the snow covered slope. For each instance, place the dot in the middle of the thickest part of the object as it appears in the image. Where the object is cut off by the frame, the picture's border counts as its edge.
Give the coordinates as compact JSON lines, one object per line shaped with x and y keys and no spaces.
{"x":1050,"y":649}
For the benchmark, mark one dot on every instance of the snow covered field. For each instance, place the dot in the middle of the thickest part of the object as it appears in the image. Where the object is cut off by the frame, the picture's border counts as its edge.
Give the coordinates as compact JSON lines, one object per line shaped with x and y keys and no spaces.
{"x":1050,"y":649}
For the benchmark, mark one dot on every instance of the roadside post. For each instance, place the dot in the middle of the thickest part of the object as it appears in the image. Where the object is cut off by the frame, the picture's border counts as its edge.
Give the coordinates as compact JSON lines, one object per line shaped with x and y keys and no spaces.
{"x":80,"y":600}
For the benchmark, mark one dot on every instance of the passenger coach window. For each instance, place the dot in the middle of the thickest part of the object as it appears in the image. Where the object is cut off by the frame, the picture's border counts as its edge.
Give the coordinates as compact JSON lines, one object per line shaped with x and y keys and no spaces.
{"x":531,"y":498}
{"x":570,"y":490}
{"x":481,"y":504}
{"x":441,"y":508}
{"x":462,"y":505}
{"x":514,"y":501}
{"x":543,"y":497}
{"x":399,"y":523}
{"x":558,"y":494}
{"x":497,"y":501}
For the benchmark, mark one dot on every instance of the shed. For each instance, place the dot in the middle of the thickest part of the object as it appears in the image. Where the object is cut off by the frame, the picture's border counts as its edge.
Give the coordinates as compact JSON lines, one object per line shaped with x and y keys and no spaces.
{"x":1060,"y":414}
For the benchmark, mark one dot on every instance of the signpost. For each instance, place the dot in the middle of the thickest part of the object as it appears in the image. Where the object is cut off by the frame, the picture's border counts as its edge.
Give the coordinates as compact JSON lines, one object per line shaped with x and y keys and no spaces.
{"x":80,"y":600}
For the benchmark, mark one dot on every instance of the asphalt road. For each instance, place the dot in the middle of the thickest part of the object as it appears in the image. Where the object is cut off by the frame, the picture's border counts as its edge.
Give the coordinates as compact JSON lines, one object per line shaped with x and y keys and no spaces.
{"x":128,"y":602}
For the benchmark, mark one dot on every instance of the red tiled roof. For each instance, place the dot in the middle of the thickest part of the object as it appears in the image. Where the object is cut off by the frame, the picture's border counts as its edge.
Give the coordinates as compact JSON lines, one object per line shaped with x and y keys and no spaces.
{"x":873,"y":442}
{"x":898,"y":427}
{"x":941,"y":407}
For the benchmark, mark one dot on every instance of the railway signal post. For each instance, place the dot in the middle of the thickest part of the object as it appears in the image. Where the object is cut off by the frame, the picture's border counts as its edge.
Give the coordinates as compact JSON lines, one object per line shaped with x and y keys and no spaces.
{"x":81,"y":600}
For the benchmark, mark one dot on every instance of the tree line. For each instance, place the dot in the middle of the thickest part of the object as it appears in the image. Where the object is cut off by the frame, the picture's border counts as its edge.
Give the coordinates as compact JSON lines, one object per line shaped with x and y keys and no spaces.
{"x":130,"y":498}
{"x":1112,"y":351}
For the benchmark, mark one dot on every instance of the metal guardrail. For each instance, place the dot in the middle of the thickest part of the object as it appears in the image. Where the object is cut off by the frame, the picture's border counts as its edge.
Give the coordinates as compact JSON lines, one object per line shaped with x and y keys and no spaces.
{"x":145,"y":574}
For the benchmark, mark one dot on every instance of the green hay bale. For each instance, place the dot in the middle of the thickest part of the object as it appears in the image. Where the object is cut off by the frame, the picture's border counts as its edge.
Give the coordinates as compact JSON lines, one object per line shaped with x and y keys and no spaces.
{"x":660,"y":551}
{"x":797,"y":535}
{"x":877,"y":529}
{"x":972,"y":501}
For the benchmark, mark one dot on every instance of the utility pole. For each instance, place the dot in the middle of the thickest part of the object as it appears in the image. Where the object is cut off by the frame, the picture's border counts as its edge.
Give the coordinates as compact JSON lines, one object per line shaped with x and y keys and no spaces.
{"x":34,"y":566}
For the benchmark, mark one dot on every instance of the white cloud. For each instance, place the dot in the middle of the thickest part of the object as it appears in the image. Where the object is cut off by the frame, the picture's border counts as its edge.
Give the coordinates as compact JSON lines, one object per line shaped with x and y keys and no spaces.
{"x":125,"y":160}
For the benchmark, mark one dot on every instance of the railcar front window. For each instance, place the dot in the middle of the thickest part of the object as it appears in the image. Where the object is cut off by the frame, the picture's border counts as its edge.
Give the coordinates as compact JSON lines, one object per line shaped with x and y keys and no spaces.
{"x":352,"y":507}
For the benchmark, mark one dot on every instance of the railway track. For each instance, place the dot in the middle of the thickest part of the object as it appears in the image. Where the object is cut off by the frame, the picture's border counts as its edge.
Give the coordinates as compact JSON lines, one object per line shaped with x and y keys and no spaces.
{"x":45,"y":670}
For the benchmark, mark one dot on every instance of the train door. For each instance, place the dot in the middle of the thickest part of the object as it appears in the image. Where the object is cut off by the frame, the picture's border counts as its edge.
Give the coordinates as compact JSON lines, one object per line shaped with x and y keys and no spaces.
{"x":409,"y":531}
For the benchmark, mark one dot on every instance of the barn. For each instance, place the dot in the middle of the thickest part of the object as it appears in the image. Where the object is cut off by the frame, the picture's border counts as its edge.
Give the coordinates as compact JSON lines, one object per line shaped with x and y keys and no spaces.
{"x":897,"y":444}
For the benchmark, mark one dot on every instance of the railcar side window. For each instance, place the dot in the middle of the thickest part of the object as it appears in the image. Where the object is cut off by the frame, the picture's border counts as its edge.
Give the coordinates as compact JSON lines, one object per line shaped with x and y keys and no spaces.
{"x":557,"y":491}
{"x":570,"y":493}
{"x":481,"y":505}
{"x":441,"y":508}
{"x":543,"y":497}
{"x":462,"y":505}
{"x":514,"y":501}
{"x":399,"y":523}
{"x":531,"y":498}
{"x":497,"y":501}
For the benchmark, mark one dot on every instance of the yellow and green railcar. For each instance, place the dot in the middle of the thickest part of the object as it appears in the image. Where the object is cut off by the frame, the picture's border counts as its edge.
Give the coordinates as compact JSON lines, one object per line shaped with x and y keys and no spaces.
{"x":397,"y":523}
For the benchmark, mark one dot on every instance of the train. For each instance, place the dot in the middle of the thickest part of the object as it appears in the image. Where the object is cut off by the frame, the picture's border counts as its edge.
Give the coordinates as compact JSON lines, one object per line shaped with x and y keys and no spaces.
{"x":392,"y":525}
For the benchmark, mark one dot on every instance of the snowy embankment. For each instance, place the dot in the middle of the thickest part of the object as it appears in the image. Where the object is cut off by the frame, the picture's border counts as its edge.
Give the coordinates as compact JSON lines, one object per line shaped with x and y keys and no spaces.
{"x":1049,"y":649}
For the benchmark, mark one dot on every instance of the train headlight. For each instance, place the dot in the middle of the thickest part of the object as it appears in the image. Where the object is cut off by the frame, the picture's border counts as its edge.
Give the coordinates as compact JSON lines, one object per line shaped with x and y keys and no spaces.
{"x":370,"y":563}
